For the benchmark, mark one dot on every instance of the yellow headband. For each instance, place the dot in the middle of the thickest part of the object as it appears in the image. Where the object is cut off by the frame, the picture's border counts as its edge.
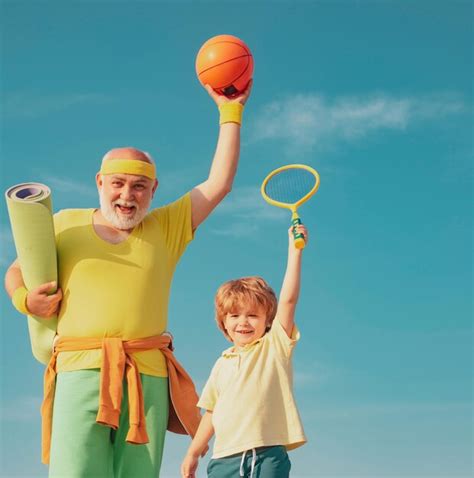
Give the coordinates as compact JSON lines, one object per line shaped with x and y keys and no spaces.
{"x":128,"y":166}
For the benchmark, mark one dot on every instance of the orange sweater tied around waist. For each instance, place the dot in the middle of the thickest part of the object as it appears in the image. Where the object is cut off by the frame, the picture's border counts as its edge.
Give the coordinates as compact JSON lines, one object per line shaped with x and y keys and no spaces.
{"x":117,"y":363}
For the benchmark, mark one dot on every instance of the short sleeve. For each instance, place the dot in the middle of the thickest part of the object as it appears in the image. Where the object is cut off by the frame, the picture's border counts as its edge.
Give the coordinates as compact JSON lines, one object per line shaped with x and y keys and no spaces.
{"x":209,"y":395}
{"x":176,"y":223}
{"x":58,"y":222}
{"x":280,"y":340}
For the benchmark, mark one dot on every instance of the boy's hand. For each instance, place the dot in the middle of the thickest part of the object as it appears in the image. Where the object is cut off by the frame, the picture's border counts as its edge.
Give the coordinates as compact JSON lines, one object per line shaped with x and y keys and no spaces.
{"x":301,"y":229}
{"x":189,"y":466}
{"x":40,"y":303}
{"x":221,"y":99}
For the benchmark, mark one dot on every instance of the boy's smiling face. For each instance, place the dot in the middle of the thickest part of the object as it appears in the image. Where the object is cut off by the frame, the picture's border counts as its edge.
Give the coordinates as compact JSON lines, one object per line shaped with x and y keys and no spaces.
{"x":246,"y":325}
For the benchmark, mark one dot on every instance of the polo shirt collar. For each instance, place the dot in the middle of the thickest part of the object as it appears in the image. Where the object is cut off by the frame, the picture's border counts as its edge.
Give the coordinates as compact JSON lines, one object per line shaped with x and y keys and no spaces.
{"x":233,"y":352}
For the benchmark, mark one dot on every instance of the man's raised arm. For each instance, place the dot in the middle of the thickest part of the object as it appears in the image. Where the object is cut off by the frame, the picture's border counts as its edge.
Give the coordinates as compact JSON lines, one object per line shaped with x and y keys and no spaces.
{"x":207,"y":195}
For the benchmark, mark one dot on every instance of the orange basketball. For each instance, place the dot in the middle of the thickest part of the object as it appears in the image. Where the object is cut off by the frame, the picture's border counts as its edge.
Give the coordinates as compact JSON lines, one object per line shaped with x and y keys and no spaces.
{"x":225,"y":63}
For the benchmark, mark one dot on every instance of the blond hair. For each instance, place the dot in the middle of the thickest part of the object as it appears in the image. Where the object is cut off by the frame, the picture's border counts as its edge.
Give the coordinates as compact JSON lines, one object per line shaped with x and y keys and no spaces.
{"x":247,"y":291}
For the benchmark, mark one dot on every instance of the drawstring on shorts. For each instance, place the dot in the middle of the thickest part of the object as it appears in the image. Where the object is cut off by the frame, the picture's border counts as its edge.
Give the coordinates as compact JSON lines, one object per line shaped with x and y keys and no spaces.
{"x":252,"y":466}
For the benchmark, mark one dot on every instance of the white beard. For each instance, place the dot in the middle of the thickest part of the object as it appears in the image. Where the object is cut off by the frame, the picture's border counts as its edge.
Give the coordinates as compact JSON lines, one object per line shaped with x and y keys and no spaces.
{"x":120,"y":222}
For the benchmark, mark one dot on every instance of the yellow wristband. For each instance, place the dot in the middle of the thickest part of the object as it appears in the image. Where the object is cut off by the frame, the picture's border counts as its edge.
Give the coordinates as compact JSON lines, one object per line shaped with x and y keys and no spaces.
{"x":231,"y":113}
{"x":19,"y":300}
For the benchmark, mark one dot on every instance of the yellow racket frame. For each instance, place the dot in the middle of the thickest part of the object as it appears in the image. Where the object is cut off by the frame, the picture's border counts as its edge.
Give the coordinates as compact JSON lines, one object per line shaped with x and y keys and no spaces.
{"x":295,"y":219}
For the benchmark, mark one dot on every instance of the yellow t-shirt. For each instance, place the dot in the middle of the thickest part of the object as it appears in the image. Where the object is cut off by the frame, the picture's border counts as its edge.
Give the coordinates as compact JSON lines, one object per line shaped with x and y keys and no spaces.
{"x":250,"y":395}
{"x":118,"y":290}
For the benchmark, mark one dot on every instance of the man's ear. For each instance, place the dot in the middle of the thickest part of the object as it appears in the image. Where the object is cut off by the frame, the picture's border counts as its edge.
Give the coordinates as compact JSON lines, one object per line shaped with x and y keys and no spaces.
{"x":155,"y":187}
{"x":98,"y":180}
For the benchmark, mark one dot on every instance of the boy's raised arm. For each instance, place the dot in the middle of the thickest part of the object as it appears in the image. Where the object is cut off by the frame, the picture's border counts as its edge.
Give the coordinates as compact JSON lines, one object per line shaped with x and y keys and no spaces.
{"x":198,"y":446}
{"x":290,"y":290}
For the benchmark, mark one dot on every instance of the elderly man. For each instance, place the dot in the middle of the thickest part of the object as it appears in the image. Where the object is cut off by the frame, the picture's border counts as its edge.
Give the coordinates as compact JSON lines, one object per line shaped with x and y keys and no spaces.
{"x":115,"y":269}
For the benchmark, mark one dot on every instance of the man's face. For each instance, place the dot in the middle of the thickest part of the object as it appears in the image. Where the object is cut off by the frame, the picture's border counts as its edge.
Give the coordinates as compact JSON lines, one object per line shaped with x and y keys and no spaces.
{"x":125,"y":198}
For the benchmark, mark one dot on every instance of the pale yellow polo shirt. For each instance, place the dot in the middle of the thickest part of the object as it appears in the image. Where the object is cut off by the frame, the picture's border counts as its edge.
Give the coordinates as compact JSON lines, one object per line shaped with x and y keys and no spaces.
{"x":250,"y":394}
{"x":118,"y":290}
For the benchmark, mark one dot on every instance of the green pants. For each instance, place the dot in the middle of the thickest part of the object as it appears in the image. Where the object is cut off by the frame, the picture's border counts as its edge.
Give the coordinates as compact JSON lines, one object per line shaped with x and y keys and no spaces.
{"x":81,"y":448}
{"x":269,"y":462}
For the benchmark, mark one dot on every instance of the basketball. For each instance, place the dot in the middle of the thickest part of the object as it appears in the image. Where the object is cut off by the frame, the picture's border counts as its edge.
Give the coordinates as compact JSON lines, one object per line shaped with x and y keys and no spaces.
{"x":225,"y":63}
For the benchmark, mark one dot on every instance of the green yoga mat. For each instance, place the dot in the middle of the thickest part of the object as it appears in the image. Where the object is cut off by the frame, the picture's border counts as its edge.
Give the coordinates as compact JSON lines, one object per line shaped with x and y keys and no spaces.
{"x":30,"y":210}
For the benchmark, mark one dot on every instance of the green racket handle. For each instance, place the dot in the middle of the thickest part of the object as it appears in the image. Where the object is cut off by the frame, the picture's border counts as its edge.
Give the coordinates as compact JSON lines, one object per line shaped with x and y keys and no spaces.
{"x":298,"y":237}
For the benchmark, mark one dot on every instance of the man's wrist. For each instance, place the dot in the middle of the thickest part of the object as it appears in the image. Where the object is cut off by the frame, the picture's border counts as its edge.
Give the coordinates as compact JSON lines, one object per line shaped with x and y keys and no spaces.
{"x":231,"y":112}
{"x":19,"y":300}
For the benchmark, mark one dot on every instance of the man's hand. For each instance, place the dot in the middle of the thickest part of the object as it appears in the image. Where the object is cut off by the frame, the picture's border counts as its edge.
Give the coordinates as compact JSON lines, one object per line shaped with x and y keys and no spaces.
{"x":189,"y":466}
{"x":221,"y":99}
{"x":41,"y":303}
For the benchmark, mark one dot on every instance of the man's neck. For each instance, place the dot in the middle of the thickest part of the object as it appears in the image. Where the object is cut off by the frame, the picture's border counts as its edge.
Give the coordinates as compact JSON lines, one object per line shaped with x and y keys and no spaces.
{"x":107,"y":231}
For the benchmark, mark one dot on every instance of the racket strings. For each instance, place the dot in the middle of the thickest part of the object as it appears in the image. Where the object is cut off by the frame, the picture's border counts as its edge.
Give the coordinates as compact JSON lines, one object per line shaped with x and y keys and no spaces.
{"x":290,"y":185}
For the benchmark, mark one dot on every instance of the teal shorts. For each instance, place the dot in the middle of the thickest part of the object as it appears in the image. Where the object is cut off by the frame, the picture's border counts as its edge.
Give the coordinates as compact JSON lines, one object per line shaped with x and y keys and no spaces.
{"x":268,"y":462}
{"x":82,"y":448}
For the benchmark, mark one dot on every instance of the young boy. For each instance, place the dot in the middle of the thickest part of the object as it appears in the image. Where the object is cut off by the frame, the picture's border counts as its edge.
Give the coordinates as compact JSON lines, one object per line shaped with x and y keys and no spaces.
{"x":248,"y":398}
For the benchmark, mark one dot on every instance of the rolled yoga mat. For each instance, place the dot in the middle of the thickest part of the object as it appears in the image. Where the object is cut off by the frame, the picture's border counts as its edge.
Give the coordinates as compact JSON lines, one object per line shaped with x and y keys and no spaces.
{"x":30,"y":210}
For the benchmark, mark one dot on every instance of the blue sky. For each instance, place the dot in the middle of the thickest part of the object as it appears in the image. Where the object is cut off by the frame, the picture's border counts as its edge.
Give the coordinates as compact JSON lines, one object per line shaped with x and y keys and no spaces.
{"x":377,"y":96}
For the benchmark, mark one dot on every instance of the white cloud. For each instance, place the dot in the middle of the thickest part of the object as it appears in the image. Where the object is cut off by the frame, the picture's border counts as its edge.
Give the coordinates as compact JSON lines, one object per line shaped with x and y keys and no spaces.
{"x":310,"y":121}
{"x":247,"y":202}
{"x":75,"y":188}
{"x":246,"y":210}
{"x":29,"y":105}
